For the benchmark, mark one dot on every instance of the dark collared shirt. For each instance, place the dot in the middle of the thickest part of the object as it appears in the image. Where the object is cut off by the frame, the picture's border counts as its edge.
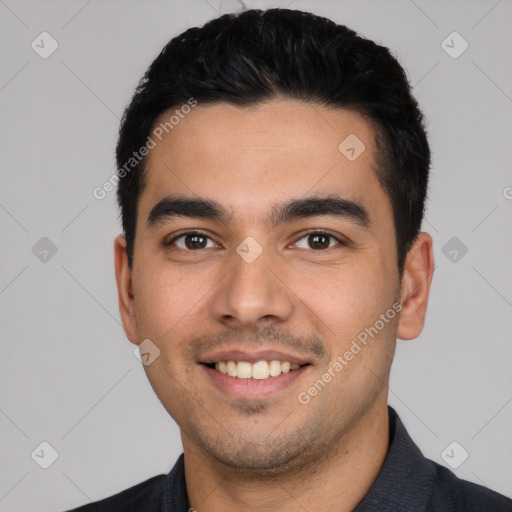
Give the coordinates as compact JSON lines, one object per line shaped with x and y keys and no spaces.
{"x":407,"y":482}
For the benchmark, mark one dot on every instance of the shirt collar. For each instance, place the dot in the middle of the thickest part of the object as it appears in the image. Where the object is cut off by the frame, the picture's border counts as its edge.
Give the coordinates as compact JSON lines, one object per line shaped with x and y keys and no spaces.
{"x":402,"y":482}
{"x":404,"y":479}
{"x":175,"y":497}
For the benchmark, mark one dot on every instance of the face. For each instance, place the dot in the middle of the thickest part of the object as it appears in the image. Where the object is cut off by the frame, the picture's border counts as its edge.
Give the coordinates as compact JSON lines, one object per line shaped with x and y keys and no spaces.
{"x":262,"y":257}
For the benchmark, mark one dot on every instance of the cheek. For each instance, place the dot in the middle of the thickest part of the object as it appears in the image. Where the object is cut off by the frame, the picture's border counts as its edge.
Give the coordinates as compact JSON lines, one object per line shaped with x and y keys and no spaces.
{"x":347,"y":299}
{"x":347,"y":310}
{"x":163,"y":298}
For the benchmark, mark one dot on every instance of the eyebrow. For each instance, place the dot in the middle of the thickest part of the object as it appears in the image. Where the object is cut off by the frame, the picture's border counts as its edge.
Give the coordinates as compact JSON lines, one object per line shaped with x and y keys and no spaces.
{"x":172,"y":207}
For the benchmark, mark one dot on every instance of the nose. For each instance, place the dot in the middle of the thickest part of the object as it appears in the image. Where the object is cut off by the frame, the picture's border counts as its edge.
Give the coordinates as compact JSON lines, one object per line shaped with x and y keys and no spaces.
{"x":253,"y":294}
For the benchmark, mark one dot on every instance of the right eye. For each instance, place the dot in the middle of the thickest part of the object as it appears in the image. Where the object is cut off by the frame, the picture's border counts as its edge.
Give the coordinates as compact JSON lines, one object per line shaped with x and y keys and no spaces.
{"x":192,"y":241}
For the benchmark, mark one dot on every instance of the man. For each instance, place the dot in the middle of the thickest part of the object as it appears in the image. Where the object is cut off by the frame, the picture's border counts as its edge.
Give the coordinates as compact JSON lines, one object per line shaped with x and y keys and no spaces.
{"x":273,"y":169}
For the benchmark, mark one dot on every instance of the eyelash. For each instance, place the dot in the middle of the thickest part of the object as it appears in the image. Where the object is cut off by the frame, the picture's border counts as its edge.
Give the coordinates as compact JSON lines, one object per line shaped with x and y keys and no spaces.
{"x":201,"y":233}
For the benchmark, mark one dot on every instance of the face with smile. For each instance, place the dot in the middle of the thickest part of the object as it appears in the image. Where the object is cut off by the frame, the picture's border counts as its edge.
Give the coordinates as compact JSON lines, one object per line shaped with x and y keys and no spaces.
{"x":261,"y":253}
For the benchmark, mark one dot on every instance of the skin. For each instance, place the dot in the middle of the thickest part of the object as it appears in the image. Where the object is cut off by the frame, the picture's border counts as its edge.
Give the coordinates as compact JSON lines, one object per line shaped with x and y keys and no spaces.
{"x":273,"y":452}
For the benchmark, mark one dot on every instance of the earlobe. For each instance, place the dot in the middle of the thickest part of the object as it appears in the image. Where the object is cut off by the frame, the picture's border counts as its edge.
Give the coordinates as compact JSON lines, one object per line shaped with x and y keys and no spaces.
{"x":124,"y":288}
{"x":415,"y":287}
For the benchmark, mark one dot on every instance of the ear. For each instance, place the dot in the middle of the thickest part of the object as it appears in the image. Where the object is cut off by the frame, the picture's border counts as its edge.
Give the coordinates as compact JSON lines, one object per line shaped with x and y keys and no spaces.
{"x":416,"y":280}
{"x":124,"y":289}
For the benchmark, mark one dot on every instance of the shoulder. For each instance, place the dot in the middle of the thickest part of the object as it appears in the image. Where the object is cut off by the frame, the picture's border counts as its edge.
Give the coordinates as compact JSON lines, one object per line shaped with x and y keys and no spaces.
{"x":410,"y":481}
{"x":453,"y":494}
{"x":146,"y":496}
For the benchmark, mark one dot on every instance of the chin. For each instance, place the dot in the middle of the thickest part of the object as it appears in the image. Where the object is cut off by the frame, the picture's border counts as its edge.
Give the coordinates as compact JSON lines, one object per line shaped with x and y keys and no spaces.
{"x":266,"y":456}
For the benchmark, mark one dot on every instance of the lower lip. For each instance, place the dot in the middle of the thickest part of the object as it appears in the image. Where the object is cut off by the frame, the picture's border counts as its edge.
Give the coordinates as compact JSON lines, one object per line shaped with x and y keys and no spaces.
{"x":253,"y":388}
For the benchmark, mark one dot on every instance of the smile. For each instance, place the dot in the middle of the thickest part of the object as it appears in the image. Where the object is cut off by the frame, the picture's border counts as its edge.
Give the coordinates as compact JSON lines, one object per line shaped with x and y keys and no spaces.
{"x":259,"y":370}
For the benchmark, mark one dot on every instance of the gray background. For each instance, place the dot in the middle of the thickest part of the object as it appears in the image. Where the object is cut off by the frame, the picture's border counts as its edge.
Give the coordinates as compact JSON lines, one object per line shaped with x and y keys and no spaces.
{"x":68,"y":374}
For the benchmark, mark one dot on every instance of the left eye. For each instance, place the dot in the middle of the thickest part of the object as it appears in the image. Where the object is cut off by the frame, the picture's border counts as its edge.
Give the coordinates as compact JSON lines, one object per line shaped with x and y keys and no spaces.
{"x":317,"y":241}
{"x":192,"y":241}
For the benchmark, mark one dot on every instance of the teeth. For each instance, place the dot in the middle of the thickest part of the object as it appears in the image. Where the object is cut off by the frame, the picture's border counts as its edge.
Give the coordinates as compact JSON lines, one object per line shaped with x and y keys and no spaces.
{"x":243,"y":370}
{"x":231,"y":368}
{"x":260,"y":370}
{"x":275,"y":368}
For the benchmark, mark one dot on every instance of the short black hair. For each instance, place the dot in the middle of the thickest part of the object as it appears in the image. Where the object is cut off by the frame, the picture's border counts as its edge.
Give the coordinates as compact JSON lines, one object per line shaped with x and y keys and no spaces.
{"x":256,"y":56}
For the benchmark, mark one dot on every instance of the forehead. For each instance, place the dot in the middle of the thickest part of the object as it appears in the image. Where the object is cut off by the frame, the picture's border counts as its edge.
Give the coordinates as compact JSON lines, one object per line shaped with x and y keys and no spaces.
{"x":250,"y":157}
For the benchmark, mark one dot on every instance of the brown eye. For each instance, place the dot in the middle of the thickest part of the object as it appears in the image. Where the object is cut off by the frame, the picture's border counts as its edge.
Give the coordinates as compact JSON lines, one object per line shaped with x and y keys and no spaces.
{"x":192,"y":241}
{"x":318,"y":241}
{"x":195,"y":241}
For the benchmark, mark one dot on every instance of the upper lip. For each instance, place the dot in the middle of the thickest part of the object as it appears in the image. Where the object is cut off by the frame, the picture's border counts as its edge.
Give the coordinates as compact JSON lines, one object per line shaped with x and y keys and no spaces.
{"x":252,"y":356}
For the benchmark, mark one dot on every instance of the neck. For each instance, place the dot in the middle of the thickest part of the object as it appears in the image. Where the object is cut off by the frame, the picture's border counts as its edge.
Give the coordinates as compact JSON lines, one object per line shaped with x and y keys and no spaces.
{"x":339,"y":482}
